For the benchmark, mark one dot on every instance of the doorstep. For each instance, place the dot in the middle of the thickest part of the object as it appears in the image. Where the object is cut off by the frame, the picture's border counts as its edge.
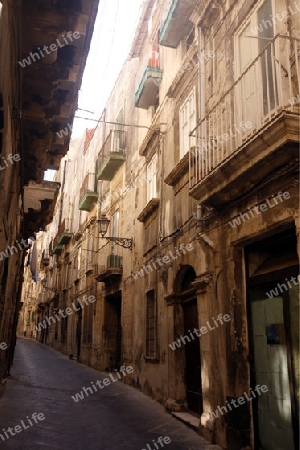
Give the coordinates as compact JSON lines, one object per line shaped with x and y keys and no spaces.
{"x":194,"y":423}
{"x":188,"y":419}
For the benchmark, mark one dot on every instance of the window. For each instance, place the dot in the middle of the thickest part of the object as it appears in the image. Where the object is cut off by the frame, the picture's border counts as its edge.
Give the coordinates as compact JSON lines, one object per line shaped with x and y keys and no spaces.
{"x":79,"y":261}
{"x":89,"y":259}
{"x":255,"y":35}
{"x":71,"y":215}
{"x":75,"y":168}
{"x":65,"y":274}
{"x":187,"y":122}
{"x":69,"y":274}
{"x":120,"y":135}
{"x":150,"y":22}
{"x":114,"y":225}
{"x":114,"y":229}
{"x":87,"y":334}
{"x":151,"y":179}
{"x":151,"y":325}
{"x":258,"y":85}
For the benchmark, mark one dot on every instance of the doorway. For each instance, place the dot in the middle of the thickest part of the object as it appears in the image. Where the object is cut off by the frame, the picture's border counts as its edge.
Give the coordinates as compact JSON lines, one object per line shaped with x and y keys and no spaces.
{"x":78,"y":333}
{"x":274,"y":340}
{"x":189,"y":358}
{"x":113,"y":310}
{"x":192,"y":358}
{"x":272,"y":361}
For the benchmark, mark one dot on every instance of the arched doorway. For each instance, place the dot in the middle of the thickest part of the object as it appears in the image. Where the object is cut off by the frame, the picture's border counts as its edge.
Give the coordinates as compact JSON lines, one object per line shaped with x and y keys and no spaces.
{"x":191,"y":342}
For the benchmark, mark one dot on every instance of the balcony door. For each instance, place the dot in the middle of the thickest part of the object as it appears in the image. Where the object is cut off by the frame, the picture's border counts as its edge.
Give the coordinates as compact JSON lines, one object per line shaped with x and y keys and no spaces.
{"x":113,"y":331}
{"x":256,"y":91}
{"x":187,"y":123}
{"x":192,"y":359}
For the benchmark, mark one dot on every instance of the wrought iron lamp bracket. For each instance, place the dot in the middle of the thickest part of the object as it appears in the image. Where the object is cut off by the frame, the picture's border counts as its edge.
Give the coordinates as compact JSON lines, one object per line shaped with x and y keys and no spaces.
{"x":123,"y":242}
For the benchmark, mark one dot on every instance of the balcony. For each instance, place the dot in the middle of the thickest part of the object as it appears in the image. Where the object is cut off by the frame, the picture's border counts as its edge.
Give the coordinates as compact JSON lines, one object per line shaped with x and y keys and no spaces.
{"x":112,"y":271}
{"x":256,"y":120}
{"x":112,"y":155}
{"x":146,"y":95}
{"x":57,"y":248}
{"x":177,"y":24}
{"x":88,"y":193}
{"x":39,"y":203}
{"x":64,"y":234}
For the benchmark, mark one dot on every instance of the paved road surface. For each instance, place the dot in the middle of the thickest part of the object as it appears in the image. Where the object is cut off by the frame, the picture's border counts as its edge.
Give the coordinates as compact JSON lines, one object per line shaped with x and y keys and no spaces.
{"x":116,"y":417}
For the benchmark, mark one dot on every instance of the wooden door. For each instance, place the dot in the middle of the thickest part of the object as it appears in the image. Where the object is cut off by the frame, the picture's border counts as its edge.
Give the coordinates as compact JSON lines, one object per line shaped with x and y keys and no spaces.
{"x":192,"y":359}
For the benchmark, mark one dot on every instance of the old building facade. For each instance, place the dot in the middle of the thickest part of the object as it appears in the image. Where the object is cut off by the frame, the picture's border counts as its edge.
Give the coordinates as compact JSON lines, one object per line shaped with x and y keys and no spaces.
{"x":194,"y":162}
{"x":43,"y":49}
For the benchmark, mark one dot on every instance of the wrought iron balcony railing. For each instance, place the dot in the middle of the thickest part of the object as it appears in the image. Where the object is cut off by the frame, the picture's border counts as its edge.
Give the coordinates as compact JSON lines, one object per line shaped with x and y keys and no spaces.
{"x":57,"y":248}
{"x":88,"y":193}
{"x":112,"y":155}
{"x":146,"y":94}
{"x":110,"y":264}
{"x":267,"y":88}
{"x":64,"y":232}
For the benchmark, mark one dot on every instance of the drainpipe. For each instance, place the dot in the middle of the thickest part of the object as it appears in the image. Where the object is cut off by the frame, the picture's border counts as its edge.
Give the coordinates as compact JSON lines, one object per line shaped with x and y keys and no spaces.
{"x":162,"y":176}
{"x":201,"y":97}
{"x":62,"y":193}
{"x":201,"y":80}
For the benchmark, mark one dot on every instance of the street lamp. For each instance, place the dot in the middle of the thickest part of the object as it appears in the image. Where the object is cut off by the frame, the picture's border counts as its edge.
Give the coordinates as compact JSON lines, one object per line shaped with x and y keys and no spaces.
{"x":44,"y":284}
{"x":103,"y":224}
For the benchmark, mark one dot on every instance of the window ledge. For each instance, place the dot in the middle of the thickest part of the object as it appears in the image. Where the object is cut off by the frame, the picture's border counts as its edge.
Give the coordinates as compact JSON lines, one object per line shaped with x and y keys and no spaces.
{"x":150,"y":141}
{"x":179,"y":171}
{"x":151,"y":206}
{"x":151,"y":359}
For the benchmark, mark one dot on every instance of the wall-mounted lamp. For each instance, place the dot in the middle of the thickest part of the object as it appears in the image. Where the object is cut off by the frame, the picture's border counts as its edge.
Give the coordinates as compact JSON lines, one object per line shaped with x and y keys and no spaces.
{"x":103,"y":224}
{"x":47,"y":288}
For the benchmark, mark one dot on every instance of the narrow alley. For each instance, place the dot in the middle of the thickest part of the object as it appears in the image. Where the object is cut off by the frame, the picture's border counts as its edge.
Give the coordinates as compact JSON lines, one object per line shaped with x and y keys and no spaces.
{"x":118,"y":417}
{"x":149,"y":224}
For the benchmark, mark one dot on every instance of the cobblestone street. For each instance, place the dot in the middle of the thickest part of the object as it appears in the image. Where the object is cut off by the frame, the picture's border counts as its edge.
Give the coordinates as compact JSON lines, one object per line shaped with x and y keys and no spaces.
{"x":117,"y":417}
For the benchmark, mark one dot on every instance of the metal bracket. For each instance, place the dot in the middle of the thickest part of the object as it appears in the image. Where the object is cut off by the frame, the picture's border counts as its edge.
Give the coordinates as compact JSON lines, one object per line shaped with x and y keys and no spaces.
{"x":123,"y":242}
